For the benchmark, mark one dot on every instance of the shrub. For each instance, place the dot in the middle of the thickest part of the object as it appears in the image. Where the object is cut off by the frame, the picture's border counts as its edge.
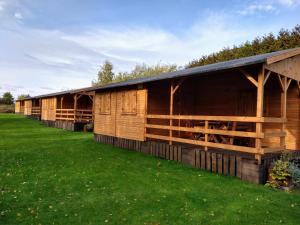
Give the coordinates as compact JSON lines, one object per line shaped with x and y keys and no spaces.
{"x":284,"y":172}
{"x":294,"y":171}
{"x":279,"y":175}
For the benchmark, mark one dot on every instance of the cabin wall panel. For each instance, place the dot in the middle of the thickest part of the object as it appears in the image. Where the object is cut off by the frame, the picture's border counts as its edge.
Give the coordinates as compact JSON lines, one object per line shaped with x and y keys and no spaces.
{"x":113,"y":118}
{"x":48,"y":109}
{"x":17,"y":107}
{"x":130,"y":119}
{"x":104,"y":118}
{"x":27,"y":107}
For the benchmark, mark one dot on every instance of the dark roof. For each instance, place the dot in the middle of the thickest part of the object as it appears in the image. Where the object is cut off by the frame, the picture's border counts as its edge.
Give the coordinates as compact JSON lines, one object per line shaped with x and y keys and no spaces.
{"x":73,"y":91}
{"x":199,"y":70}
{"x":195,"y":71}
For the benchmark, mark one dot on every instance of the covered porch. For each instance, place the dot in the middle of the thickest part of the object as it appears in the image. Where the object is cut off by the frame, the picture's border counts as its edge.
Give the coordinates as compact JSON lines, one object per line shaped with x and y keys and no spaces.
{"x":242,"y":109}
{"x":36,"y":107}
{"x":76,"y":108}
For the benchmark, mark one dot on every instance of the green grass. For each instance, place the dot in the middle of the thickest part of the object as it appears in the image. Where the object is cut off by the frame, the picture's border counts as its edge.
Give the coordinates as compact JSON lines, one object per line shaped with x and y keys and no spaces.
{"x":51,"y":176}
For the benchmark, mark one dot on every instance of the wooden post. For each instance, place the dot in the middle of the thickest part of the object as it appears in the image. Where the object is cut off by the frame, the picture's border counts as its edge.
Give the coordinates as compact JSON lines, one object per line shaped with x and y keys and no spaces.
{"x":171,"y":111}
{"x":75,"y":106}
{"x":206,"y":135}
{"x":283,"y":111}
{"x":259,"y":113}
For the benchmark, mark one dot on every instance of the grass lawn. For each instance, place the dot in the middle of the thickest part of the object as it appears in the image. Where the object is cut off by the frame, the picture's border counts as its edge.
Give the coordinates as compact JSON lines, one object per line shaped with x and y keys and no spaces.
{"x":51,"y":176}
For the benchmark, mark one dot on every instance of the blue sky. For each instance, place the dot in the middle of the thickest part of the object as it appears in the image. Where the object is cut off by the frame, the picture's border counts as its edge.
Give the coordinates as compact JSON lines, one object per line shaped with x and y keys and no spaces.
{"x":53,"y":45}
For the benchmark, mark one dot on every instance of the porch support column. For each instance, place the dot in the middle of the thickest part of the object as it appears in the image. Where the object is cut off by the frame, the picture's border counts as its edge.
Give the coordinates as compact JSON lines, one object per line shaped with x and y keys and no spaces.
{"x":171,"y":111}
{"x":75,"y":106}
{"x":259,"y":113}
{"x":283,"y":110}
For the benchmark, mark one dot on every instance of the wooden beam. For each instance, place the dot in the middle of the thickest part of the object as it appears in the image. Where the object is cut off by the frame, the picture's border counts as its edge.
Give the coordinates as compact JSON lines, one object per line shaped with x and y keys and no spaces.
{"x":267,"y":77}
{"x":220,"y":118}
{"x":206,"y":135}
{"x":280,"y":82}
{"x":298,"y":85}
{"x":249,"y":77}
{"x":291,"y":53}
{"x":178,"y":85}
{"x":171,"y":110}
{"x":203,"y":143}
{"x":283,"y":111}
{"x":75,"y":106}
{"x":288,"y":83}
{"x":205,"y":130}
{"x":259,"y":112}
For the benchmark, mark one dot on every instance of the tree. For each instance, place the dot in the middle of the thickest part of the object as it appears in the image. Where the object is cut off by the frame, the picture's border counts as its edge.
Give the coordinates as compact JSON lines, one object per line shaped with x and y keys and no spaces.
{"x":269,"y":43}
{"x":22,"y":96}
{"x":7,"y":98}
{"x":145,"y":71}
{"x":105,"y":75}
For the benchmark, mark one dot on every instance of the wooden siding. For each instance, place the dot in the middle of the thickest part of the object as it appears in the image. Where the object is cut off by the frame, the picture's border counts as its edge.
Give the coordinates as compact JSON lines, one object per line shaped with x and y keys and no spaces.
{"x":49,"y":109}
{"x":17,"y":107}
{"x":27,"y":107}
{"x":273,"y":108}
{"x":288,"y":67}
{"x":117,"y":114}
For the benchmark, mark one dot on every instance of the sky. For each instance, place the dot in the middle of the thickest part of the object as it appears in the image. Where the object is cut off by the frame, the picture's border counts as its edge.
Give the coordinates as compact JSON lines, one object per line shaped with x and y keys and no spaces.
{"x":54,"y":45}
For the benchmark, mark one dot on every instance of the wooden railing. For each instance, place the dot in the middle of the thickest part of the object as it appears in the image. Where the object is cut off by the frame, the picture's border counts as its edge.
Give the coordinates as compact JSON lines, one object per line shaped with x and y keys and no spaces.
{"x":36,"y":110}
{"x":236,"y":133}
{"x":78,"y":115}
{"x":84,"y":115}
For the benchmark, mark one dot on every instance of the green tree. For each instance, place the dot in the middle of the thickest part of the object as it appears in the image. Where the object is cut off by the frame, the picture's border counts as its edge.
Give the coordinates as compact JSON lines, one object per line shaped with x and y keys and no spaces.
{"x":23,"y":96}
{"x":7,"y":98}
{"x":269,"y":43}
{"x":105,"y":75}
{"x":145,"y":71}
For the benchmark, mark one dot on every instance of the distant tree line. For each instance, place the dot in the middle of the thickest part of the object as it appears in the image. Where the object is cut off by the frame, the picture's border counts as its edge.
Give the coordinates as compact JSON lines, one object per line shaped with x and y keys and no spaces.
{"x":106,"y":74}
{"x":285,"y":39}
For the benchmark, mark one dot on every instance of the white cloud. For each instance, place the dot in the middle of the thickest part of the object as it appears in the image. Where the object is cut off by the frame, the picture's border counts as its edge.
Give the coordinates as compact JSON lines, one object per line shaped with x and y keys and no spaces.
{"x":289,"y":3}
{"x":267,"y":6}
{"x":60,"y":59}
{"x":2,"y":6}
{"x":18,"y":16}
{"x":254,"y":8}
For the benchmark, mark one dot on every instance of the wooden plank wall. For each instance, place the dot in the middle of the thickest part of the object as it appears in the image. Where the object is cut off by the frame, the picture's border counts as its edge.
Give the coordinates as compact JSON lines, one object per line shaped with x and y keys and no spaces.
{"x":221,"y":162}
{"x":289,"y":67}
{"x":27,"y":107}
{"x":17,"y":107}
{"x":273,"y":109}
{"x":105,"y":113}
{"x":110,"y":118}
{"x":48,"y":109}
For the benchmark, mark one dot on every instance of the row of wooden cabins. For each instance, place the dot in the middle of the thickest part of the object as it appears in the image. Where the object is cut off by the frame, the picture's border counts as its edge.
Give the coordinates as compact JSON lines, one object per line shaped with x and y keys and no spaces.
{"x":231,"y":117}
{"x":69,"y":110}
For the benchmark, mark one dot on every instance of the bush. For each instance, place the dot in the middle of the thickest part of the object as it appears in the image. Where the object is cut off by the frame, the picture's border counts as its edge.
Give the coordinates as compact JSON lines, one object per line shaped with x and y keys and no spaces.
{"x":294,"y":171}
{"x":284,"y":172}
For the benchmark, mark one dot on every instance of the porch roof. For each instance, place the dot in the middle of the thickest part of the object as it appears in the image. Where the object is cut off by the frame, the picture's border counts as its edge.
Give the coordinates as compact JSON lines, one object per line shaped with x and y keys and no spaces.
{"x":201,"y":70}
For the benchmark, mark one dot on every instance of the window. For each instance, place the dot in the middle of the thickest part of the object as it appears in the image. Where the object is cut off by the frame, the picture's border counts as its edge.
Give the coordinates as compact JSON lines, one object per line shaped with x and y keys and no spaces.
{"x":129,"y":102}
{"x":104,"y":103}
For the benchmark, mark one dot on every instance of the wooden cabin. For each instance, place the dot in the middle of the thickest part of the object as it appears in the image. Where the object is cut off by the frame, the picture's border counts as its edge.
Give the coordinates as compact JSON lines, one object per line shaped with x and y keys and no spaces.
{"x":226,"y":117}
{"x":69,"y":110}
{"x":19,"y":106}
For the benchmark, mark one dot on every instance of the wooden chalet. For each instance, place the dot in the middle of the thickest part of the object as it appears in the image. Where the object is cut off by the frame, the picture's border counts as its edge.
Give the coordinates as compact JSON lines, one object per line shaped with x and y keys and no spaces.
{"x":69,"y":110}
{"x":228,"y":117}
